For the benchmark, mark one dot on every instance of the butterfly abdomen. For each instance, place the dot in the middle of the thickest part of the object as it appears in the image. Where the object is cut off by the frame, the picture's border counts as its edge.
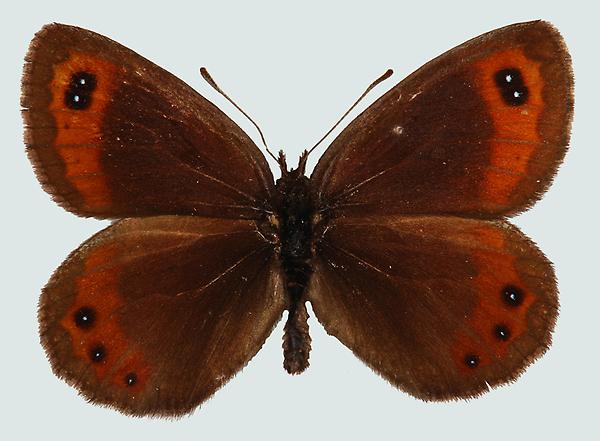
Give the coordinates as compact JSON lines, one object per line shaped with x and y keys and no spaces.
{"x":295,"y":209}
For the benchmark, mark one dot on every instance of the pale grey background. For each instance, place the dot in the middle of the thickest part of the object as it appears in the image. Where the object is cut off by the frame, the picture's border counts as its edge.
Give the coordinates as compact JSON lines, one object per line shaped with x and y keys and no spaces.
{"x":296,"y":69}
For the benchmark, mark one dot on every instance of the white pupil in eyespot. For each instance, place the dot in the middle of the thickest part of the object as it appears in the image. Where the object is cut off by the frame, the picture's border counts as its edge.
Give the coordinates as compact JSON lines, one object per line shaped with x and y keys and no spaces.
{"x":76,"y":98}
{"x":508,"y":78}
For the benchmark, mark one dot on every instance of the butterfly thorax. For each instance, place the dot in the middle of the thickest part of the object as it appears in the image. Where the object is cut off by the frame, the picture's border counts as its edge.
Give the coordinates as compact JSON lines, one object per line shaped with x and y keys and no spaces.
{"x":294,"y":211}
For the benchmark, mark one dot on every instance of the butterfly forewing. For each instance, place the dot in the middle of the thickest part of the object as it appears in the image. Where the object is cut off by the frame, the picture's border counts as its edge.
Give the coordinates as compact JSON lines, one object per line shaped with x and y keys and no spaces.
{"x":113,"y":135}
{"x":477,"y":132}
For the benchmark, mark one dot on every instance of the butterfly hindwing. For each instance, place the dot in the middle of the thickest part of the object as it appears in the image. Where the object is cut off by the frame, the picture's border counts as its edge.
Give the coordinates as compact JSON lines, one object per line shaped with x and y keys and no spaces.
{"x":113,"y":135}
{"x":477,"y":132}
{"x":152,"y":316}
{"x":443,"y":308}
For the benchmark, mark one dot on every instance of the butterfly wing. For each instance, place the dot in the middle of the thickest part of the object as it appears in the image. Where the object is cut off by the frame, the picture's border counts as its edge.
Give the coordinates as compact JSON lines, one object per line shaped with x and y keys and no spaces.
{"x":431,"y":292}
{"x":477,"y":132}
{"x":442,"y":307}
{"x":152,"y":315}
{"x":113,"y":135}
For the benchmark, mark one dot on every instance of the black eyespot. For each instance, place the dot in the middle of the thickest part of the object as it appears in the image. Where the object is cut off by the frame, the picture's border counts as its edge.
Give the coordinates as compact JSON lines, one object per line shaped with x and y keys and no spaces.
{"x":472,"y":360}
{"x":512,"y":295}
{"x":512,"y":87}
{"x":130,"y":379}
{"x":502,"y":332}
{"x":79,"y":94}
{"x":98,"y":353}
{"x":76,"y":101}
{"x":83,"y":81}
{"x":85,"y":317}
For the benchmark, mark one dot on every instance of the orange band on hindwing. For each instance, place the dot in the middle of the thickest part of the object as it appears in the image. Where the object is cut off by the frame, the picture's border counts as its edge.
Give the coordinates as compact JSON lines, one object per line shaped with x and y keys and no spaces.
{"x":78,"y":118}
{"x":500,"y":316}
{"x":93,"y":323}
{"x":516,"y":134}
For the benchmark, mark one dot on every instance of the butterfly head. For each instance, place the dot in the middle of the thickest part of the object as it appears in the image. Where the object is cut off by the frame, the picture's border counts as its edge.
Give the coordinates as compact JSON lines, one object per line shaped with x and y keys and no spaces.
{"x":295,"y":172}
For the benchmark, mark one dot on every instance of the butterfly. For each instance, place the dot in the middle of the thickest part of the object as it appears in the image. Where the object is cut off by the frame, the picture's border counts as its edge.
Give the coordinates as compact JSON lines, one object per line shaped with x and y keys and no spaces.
{"x":399,"y":238}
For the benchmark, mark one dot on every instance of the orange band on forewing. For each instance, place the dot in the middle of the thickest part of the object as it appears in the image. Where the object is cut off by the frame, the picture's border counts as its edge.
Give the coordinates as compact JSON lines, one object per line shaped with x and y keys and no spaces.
{"x":516,"y":136}
{"x":496,"y":270}
{"x":79,"y":132}
{"x":98,"y":288}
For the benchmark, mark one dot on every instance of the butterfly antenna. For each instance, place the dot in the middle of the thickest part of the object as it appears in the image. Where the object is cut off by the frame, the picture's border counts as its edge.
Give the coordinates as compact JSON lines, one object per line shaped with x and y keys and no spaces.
{"x":388,"y":73}
{"x":214,"y":85}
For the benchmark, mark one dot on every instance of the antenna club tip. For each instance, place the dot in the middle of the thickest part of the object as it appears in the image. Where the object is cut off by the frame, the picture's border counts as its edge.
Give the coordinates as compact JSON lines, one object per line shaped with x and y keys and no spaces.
{"x":205,"y":74}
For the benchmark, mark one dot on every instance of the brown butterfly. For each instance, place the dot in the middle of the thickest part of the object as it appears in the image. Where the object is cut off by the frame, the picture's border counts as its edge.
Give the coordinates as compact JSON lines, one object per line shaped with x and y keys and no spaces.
{"x":398,"y":239}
